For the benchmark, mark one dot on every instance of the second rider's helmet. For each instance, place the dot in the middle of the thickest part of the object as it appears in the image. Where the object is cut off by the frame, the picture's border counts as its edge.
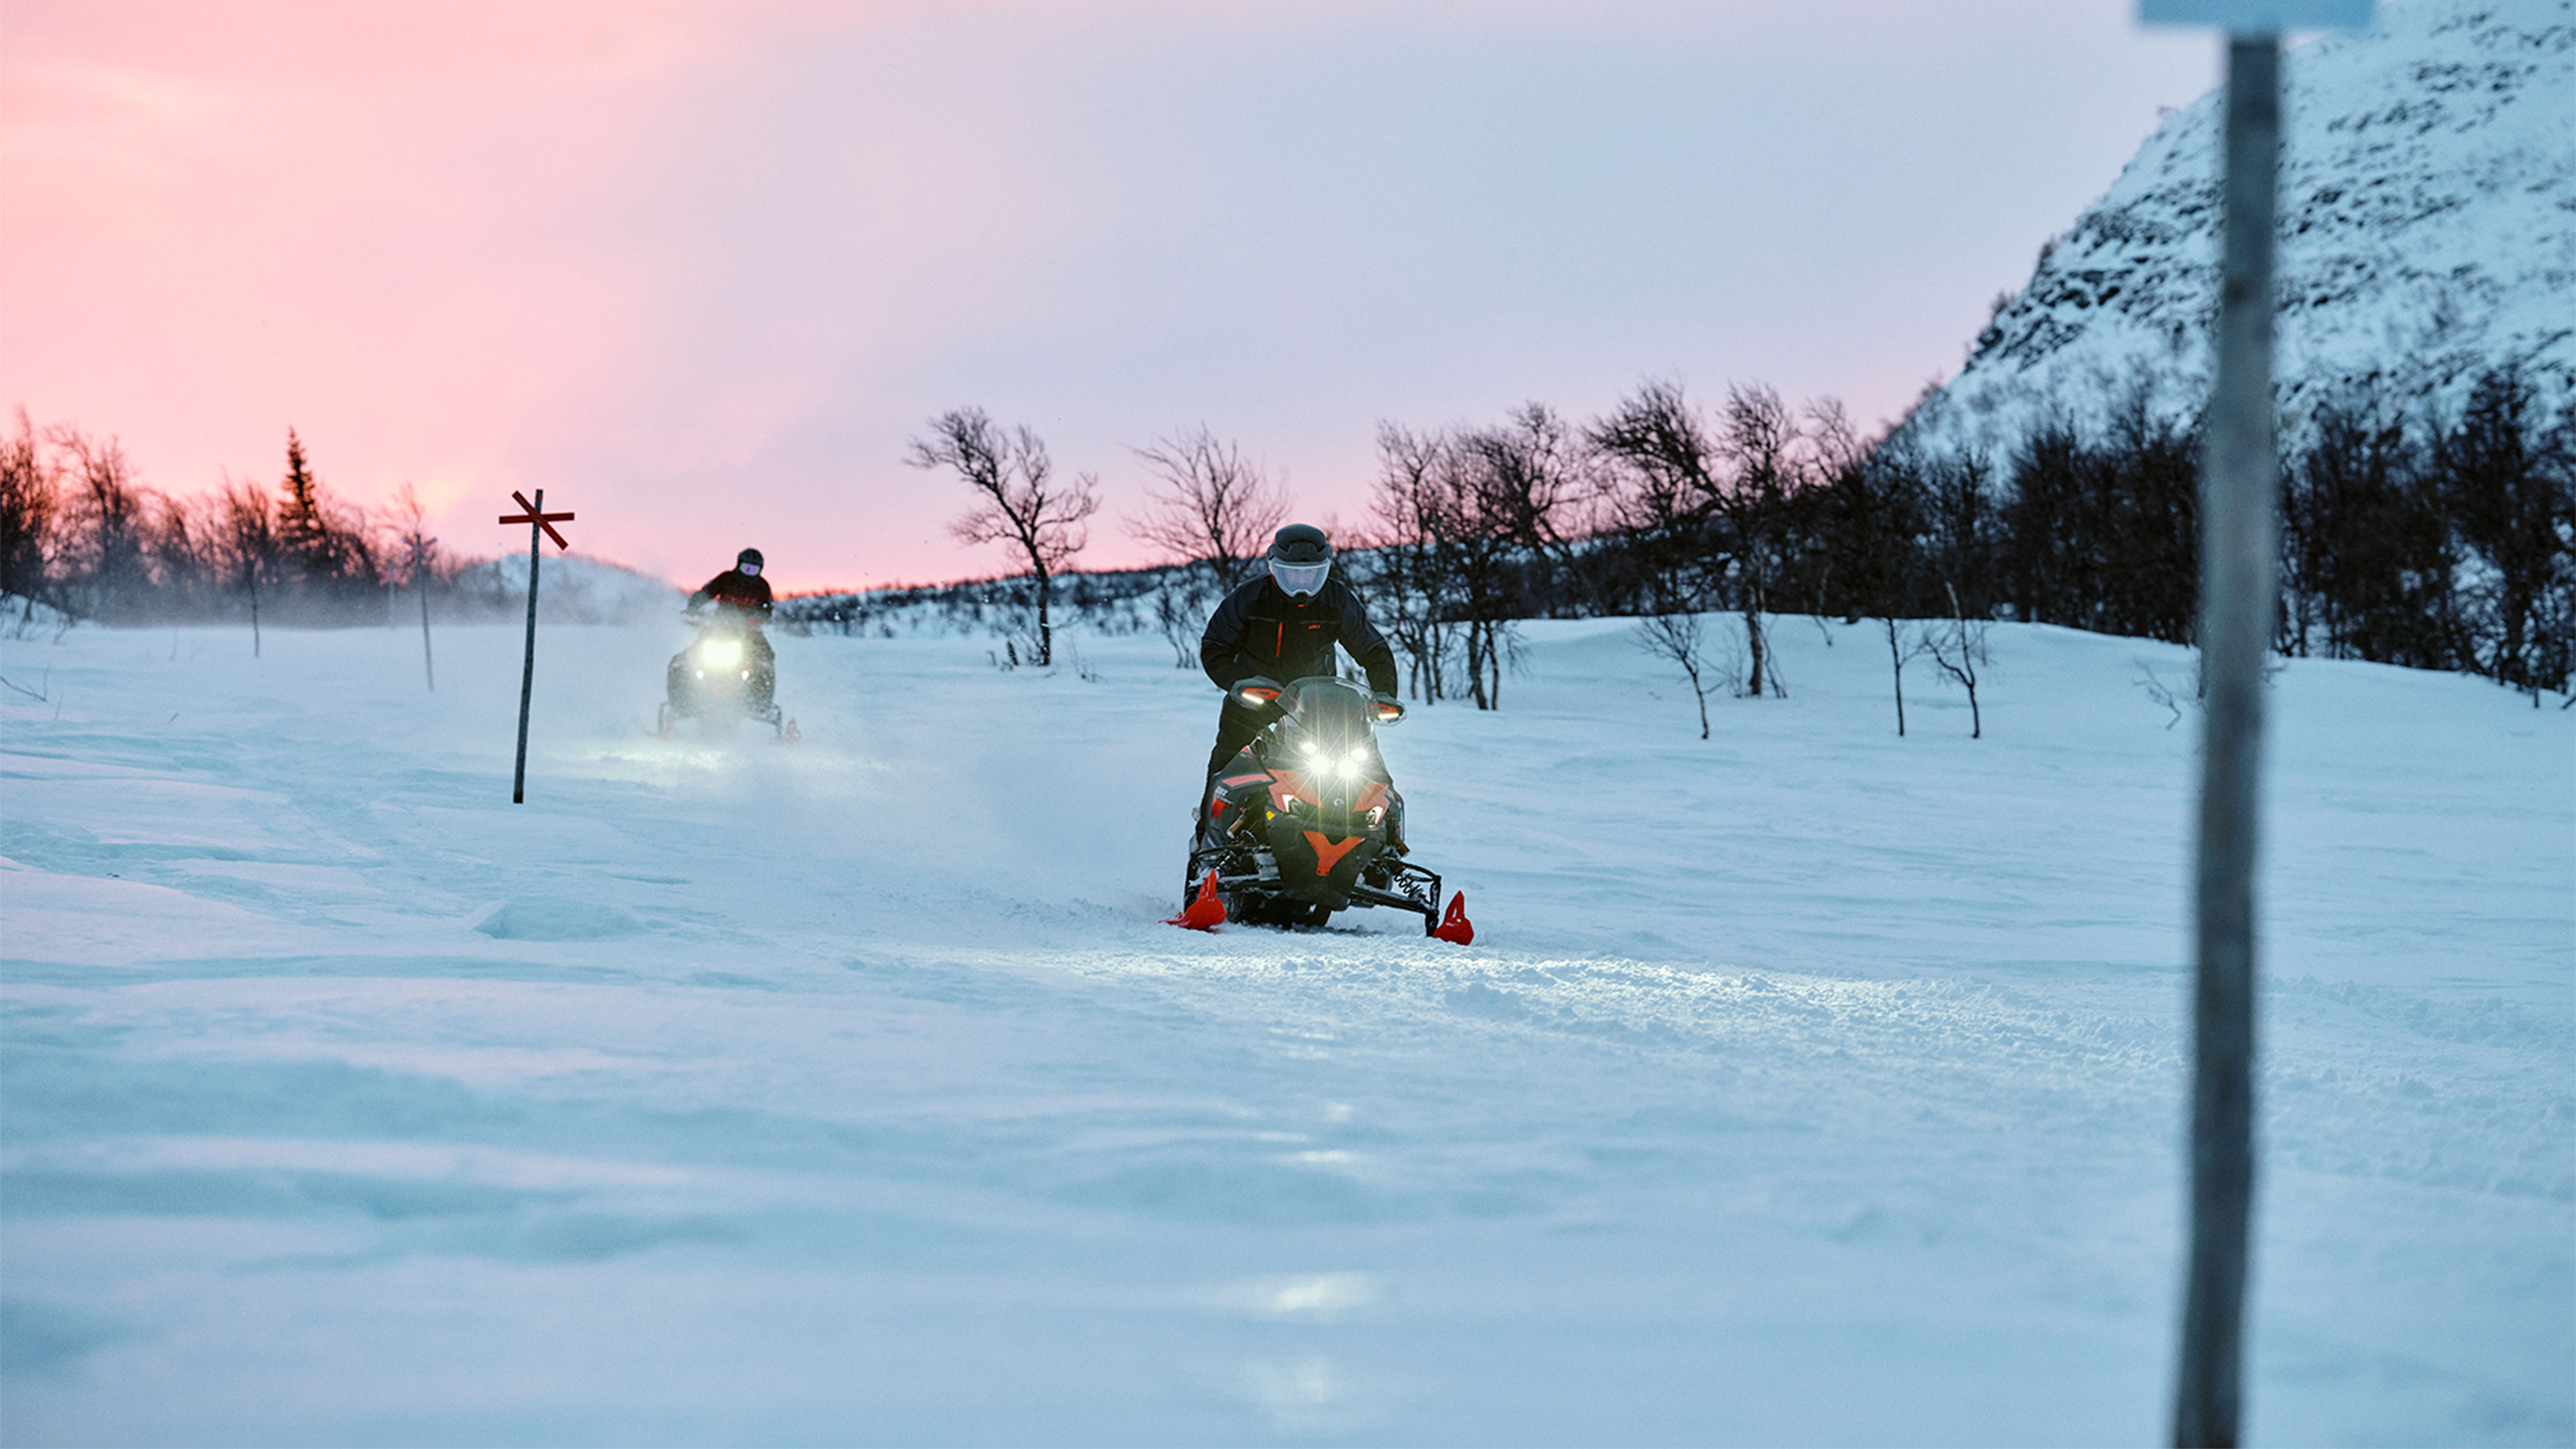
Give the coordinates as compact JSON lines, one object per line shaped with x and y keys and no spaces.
{"x":1301,"y":557}
{"x":747,"y":563}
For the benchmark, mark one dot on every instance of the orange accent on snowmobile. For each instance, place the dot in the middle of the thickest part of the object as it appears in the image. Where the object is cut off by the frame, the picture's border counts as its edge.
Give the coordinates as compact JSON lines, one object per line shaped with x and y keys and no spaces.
{"x":1329,"y":855}
{"x":1205,"y":912}
{"x":1287,"y":784}
{"x":1455,"y":927}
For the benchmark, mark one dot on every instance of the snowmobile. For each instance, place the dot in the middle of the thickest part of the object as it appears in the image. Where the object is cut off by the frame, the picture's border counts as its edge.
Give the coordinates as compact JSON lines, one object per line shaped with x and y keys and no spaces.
{"x":722,"y":678}
{"x":1306,"y":821}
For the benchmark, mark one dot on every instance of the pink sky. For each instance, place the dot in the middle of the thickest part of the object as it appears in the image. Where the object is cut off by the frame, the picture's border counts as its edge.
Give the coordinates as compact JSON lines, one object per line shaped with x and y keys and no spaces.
{"x":700,"y":269}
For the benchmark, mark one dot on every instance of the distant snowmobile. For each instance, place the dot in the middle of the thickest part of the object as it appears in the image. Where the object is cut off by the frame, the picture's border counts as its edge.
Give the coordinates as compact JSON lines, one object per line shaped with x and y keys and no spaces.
{"x":726,"y":676}
{"x":1306,"y":821}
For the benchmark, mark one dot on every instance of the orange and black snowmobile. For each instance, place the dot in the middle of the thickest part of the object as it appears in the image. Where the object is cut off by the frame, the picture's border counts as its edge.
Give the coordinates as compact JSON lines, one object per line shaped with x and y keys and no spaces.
{"x":1306,"y":821}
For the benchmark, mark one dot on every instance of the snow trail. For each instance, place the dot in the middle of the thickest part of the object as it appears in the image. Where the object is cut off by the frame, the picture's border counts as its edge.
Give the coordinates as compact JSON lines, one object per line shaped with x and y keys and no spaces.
{"x":1805,"y":1085}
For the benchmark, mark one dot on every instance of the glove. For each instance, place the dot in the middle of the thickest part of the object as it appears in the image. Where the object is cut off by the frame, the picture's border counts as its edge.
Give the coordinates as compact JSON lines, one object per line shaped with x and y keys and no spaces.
{"x":1389,"y":708}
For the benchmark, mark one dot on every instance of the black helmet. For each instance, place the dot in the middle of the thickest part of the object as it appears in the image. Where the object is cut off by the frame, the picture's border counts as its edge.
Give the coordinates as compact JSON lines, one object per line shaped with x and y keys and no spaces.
{"x":1301,"y":543}
{"x":1300,"y":557}
{"x":749,"y":558}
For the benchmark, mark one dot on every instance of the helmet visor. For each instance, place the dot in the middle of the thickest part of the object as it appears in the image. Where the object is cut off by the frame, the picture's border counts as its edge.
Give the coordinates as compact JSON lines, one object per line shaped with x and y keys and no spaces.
{"x":1300,"y":579}
{"x":748,"y":570}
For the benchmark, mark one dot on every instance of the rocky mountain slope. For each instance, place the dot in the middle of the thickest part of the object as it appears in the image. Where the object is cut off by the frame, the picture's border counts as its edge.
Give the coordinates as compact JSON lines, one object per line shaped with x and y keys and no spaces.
{"x":2428,"y":202}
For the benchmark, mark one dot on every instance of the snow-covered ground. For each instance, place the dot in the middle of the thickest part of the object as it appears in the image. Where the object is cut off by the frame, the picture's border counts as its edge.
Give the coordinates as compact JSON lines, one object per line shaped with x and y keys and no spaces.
{"x":1808,"y":1085}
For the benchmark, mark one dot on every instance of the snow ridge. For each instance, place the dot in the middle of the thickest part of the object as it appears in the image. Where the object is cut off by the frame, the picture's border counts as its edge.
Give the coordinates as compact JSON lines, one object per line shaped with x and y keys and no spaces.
{"x":2428,"y":234}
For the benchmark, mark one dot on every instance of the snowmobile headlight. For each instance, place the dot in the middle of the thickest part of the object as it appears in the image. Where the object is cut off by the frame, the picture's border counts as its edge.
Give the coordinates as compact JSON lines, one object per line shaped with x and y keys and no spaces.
{"x":746,"y":674}
{"x":721,"y":653}
{"x":1354,"y":760}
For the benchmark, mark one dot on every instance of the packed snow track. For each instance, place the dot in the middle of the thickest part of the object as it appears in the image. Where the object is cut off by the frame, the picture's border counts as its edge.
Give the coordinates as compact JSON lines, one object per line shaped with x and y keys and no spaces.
{"x":1805,"y":1085}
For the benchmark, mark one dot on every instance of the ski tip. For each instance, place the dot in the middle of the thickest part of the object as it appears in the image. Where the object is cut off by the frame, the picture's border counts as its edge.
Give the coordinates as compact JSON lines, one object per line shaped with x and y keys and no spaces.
{"x":1205,"y":912}
{"x":789,"y":734}
{"x":1454,"y":926}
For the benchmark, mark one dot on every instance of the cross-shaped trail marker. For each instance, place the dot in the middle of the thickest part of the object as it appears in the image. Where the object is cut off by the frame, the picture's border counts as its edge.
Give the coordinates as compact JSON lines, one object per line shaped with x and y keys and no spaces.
{"x":541,"y":526}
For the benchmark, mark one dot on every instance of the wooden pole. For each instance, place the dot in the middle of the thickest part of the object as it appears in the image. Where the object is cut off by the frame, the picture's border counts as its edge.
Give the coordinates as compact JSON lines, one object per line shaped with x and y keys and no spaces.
{"x":420,"y":580}
{"x":528,"y":661}
{"x":2239,"y":592}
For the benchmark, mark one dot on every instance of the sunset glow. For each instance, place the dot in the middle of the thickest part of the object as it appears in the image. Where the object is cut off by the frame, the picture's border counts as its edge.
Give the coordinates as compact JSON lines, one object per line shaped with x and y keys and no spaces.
{"x":700,"y":270}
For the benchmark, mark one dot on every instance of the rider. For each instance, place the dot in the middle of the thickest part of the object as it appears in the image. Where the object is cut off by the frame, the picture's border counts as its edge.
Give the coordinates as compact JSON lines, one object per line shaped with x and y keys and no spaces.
{"x":1283,"y":626}
{"x":741,"y":595}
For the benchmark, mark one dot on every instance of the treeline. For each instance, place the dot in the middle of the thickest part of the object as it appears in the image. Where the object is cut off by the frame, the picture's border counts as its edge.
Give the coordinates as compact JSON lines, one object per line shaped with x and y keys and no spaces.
{"x":2439,"y":542}
{"x":81,"y":533}
{"x":2434,"y":541}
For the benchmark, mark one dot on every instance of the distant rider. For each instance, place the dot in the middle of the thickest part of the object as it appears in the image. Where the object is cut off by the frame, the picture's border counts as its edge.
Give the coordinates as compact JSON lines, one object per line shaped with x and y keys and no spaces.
{"x":741,"y":596}
{"x":1283,"y":626}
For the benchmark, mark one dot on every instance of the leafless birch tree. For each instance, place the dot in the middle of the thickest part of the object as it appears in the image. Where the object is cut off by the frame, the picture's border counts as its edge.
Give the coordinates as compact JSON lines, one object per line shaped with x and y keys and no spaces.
{"x":1019,"y":500}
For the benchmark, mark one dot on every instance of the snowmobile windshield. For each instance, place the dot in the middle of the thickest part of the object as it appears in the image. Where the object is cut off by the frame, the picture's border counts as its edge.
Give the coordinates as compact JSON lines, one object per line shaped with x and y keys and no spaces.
{"x":1300,"y":580}
{"x":1328,"y":727}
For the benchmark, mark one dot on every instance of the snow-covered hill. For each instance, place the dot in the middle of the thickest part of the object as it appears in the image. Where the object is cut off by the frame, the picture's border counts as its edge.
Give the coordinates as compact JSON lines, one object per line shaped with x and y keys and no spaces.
{"x":2428,"y":200}
{"x":1808,"y":1085}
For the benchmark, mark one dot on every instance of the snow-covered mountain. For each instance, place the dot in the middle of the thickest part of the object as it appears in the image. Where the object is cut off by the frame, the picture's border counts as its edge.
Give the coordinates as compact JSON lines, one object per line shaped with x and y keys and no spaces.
{"x":2428,"y":233}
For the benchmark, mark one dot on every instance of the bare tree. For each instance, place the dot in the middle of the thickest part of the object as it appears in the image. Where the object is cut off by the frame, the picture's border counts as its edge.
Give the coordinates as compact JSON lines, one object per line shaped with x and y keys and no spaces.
{"x":1446,"y":557}
{"x":29,"y":505}
{"x":1663,"y":478}
{"x":1958,"y":645}
{"x":1409,"y":560}
{"x":1209,"y":504}
{"x":110,"y":514}
{"x":249,"y":536}
{"x":1019,"y":501}
{"x":1759,"y":440}
{"x":420,"y":553}
{"x":1213,"y":513}
{"x":1677,"y":637}
{"x":1534,"y":485}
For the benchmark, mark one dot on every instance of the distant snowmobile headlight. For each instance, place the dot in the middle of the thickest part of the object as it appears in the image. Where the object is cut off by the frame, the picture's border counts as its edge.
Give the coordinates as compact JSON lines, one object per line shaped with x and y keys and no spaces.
{"x":721,"y":653}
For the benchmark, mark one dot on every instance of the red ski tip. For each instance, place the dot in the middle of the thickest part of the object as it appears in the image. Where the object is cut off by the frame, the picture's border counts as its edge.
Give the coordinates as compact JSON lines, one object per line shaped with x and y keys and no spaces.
{"x":1455,"y":927}
{"x":1204,"y":913}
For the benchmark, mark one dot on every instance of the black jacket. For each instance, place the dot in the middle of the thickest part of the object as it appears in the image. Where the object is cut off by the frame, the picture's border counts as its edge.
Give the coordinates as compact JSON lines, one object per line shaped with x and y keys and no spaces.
{"x":731,"y":588}
{"x":1259,"y":629}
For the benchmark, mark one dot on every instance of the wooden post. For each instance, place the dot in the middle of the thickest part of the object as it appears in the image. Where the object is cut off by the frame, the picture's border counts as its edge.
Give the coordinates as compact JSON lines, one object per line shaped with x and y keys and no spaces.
{"x":2239,"y":599}
{"x":420,"y":581}
{"x":2239,"y":594}
{"x":528,"y":660}
{"x":541,"y":526}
